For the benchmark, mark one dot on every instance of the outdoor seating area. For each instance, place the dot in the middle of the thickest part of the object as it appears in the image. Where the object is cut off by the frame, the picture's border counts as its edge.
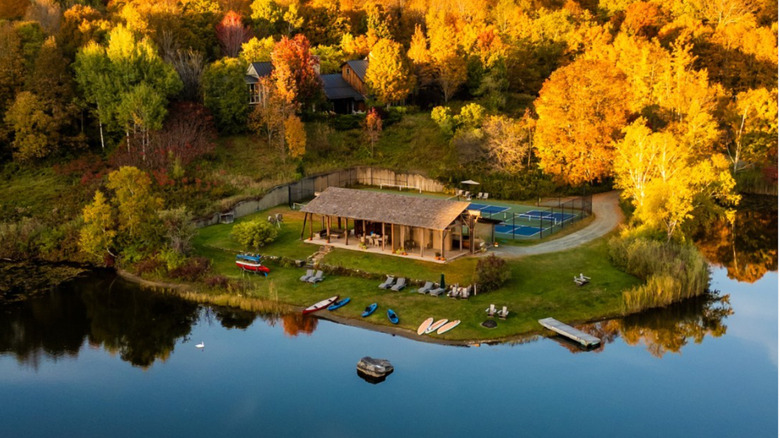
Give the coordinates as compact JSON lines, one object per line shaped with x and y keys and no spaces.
{"x":457,"y":291}
{"x":581,"y":280}
{"x":493,"y":311}
{"x":312,"y":277}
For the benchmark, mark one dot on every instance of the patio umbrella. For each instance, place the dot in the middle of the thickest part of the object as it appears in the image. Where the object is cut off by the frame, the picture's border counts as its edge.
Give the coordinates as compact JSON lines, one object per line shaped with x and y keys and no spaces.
{"x":470,"y":182}
{"x":441,"y":282}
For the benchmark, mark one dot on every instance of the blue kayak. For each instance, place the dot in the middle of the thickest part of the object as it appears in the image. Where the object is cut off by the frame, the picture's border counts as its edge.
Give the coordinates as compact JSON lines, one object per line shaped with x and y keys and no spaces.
{"x":338,"y":304}
{"x":392,"y":316}
{"x":369,"y":310}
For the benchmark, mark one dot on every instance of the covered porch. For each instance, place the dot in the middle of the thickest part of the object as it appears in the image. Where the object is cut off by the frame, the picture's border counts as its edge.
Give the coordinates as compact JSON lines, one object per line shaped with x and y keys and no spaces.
{"x":422,"y":228}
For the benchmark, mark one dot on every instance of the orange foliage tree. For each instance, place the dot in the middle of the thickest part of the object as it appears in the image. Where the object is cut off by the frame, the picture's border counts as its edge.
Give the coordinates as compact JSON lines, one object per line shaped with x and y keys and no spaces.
{"x":582,"y":108}
{"x":295,"y":74}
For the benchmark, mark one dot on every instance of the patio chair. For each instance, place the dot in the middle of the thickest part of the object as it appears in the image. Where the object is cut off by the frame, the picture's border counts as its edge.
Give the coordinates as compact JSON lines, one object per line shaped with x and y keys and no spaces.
{"x":503,"y":313}
{"x":582,"y":277}
{"x":309,"y":274}
{"x":485,"y":195}
{"x":436,"y":291}
{"x":317,"y":277}
{"x":467,"y":195}
{"x":454,"y":291}
{"x":426,"y":288}
{"x":460,"y":192}
{"x":480,"y":195}
{"x":491,"y":311}
{"x":465,"y":292}
{"x":400,"y":284}
{"x":388,"y":283}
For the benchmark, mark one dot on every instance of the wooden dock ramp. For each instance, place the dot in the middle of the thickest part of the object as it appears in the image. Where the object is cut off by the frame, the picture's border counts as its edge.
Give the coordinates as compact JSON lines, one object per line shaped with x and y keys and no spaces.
{"x":570,"y":332}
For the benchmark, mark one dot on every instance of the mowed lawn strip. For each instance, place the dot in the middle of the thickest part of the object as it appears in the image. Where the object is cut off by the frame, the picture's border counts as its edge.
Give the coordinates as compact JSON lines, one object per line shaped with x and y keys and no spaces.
{"x":541,"y":286}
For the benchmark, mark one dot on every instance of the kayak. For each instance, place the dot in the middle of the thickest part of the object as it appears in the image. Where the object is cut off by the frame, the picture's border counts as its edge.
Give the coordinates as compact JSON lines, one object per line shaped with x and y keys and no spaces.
{"x":435,"y":326}
{"x":392,"y":316}
{"x":338,"y":304}
{"x":252,"y":267}
{"x":369,"y":310}
{"x":424,"y":326}
{"x":320,"y":305}
{"x":449,"y":326}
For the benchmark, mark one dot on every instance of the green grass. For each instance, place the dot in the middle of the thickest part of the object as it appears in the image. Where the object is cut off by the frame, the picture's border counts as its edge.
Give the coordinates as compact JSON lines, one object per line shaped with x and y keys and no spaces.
{"x":540,"y":286}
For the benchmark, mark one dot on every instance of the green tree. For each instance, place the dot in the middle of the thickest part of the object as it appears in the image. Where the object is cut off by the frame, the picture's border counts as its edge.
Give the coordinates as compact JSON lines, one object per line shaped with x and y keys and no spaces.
{"x":137,"y":207}
{"x":254,"y":234}
{"x":225,"y":94}
{"x":35,"y":131}
{"x":11,"y":66}
{"x":143,"y":108}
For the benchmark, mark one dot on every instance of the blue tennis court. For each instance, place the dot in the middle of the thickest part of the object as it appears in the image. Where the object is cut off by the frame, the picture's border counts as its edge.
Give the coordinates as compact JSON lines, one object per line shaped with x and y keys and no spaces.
{"x":520,"y":230}
{"x":536,"y":214}
{"x":489,"y":209}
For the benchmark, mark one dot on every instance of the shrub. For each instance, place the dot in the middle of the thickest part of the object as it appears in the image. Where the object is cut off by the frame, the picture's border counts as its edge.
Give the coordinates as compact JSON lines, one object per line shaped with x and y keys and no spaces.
{"x":671,"y":271}
{"x":347,"y":122}
{"x":491,"y":273}
{"x":217,"y":281}
{"x":254,"y":234}
{"x":193,"y":269}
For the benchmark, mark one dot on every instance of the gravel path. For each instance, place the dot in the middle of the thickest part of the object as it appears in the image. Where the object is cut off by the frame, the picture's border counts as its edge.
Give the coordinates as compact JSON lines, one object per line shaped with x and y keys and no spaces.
{"x":608,"y":216}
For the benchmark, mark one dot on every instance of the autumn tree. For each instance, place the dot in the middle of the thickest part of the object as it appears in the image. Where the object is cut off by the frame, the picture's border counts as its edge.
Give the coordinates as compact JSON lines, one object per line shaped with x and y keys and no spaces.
{"x":388,"y":76}
{"x":372,"y":128}
{"x":11,"y":65}
{"x":136,"y":207}
{"x":99,"y":231}
{"x":257,"y":50}
{"x":35,"y":131}
{"x":232,"y":33}
{"x":420,"y":57}
{"x":295,"y":136}
{"x":447,"y":60}
{"x":754,"y":128}
{"x":295,"y":71}
{"x":509,"y":142}
{"x":581,"y":108}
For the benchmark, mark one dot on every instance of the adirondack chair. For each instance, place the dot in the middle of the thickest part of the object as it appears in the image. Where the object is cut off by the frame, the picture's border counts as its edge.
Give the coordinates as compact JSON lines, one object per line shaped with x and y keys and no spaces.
{"x":436,"y":291}
{"x":491,"y":311}
{"x":503,"y":313}
{"x":317,"y":277}
{"x":465,"y":292}
{"x":485,"y":195}
{"x":309,"y":274}
{"x":388,"y":283}
{"x":400,"y":284}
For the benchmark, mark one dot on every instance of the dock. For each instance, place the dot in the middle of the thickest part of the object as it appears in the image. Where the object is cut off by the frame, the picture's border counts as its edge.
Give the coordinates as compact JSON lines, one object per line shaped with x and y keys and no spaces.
{"x":570,"y":332}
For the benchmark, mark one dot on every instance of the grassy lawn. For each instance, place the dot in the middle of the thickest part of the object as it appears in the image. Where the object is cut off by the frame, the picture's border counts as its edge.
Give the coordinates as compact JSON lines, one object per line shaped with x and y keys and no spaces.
{"x":540,"y":286}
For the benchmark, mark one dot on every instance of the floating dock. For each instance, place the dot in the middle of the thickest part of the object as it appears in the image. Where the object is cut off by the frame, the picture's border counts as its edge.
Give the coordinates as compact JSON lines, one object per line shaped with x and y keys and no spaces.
{"x":570,"y":332}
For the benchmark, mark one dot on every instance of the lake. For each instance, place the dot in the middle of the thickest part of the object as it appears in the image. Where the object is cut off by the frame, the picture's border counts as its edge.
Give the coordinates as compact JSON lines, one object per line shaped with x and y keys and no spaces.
{"x":102,"y":357}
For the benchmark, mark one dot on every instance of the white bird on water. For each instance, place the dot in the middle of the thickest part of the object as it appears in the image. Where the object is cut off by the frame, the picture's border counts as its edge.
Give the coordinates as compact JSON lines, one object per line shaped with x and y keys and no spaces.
{"x":201,"y":345}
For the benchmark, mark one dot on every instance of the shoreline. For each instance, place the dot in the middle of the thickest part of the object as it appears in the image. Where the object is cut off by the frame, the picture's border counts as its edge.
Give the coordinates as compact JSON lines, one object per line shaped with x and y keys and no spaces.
{"x":185,"y":292}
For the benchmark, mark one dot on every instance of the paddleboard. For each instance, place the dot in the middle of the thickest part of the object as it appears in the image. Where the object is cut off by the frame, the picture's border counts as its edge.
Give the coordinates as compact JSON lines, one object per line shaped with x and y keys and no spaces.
{"x":449,"y":326}
{"x":425,"y":324}
{"x":435,"y":326}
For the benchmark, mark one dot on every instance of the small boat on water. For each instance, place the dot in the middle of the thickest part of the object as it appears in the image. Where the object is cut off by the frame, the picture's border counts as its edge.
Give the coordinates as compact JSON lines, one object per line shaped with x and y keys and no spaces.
{"x":424,"y":326}
{"x":392,"y":316}
{"x":320,"y":305}
{"x":449,"y":326}
{"x":435,"y":326}
{"x":338,"y":304}
{"x":369,"y":310}
{"x":377,"y":368}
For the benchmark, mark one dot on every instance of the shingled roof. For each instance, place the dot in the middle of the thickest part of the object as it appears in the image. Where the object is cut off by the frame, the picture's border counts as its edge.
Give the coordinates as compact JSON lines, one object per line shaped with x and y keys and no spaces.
{"x":413,"y":211}
{"x":360,"y":66}
{"x":337,"y":88}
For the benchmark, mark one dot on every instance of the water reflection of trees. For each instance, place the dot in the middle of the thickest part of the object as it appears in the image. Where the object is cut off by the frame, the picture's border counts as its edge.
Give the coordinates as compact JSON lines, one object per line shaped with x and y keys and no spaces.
{"x":748,"y":249}
{"x":296,"y":323}
{"x":669,"y":329}
{"x":140,"y":326}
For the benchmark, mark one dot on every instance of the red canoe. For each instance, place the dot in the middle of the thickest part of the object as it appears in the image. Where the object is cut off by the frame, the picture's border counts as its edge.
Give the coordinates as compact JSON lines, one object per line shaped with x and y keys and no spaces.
{"x":250,"y":266}
{"x":321,"y":305}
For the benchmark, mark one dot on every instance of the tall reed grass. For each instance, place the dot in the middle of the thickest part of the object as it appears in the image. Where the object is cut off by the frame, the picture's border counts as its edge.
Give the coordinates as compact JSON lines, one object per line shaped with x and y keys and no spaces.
{"x":671,"y":271}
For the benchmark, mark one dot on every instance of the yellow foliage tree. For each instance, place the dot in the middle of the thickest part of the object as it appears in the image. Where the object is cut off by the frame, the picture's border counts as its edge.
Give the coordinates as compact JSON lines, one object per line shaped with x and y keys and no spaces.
{"x":388,"y":75}
{"x":582,"y":109}
{"x":97,"y":235}
{"x":447,"y":59}
{"x":295,"y":136}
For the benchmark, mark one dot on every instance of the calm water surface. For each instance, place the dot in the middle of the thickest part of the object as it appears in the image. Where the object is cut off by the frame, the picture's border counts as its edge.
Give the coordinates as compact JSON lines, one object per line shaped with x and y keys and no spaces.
{"x":104,"y":358}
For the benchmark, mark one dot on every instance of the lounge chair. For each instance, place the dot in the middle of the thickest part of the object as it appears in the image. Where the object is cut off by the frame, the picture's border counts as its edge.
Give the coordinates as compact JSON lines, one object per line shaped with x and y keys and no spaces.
{"x":426,"y":288}
{"x":480,"y":195}
{"x":503,"y":313}
{"x":436,"y":291}
{"x":491,"y":311}
{"x":400,"y":284}
{"x":485,"y":195}
{"x":316,"y":278}
{"x":460,"y":193}
{"x":388,"y":283}
{"x":309,"y":274}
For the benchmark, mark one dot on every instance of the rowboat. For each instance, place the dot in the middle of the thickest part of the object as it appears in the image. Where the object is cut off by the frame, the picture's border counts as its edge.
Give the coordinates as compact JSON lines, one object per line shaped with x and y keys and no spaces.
{"x":433,"y":327}
{"x":338,"y":304}
{"x":425,"y":324}
{"x":320,"y":305}
{"x":369,"y":310}
{"x":449,"y":326}
{"x":392,"y":316}
{"x":252,"y":266}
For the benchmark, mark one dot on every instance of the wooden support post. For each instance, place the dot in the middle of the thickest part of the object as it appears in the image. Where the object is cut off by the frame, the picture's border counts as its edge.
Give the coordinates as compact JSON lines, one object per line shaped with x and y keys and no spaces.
{"x":383,"y":236}
{"x":303,"y":228}
{"x":392,"y":238}
{"x":311,"y":227}
{"x":422,"y":241}
{"x":327,"y":230}
{"x":339,"y":221}
{"x":460,"y":238}
{"x":403,"y":238}
{"x":346,"y":231}
{"x":442,"y":243}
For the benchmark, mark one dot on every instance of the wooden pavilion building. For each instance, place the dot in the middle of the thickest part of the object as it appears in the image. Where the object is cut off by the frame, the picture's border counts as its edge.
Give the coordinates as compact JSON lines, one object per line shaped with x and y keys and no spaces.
{"x":390,"y":223}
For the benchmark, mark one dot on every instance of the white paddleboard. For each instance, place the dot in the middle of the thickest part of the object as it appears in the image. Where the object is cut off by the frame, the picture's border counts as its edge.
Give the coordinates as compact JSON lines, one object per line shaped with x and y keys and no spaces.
{"x":435,"y":326}
{"x":449,"y":326}
{"x":425,"y":324}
